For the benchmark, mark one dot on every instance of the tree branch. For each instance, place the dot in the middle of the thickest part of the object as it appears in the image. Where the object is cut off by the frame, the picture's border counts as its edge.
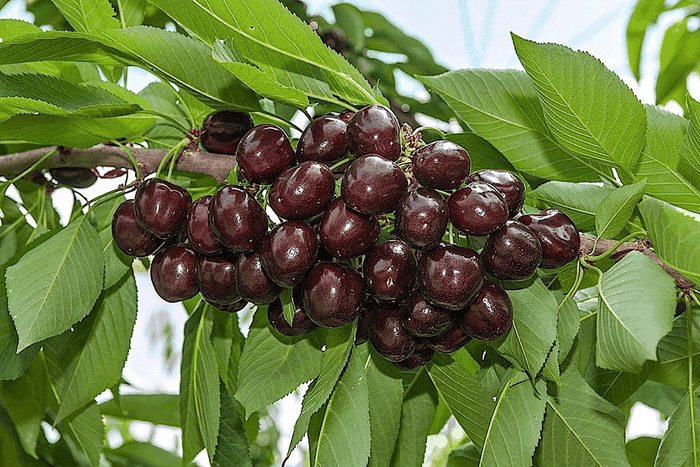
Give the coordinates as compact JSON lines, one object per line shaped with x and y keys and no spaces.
{"x":643,"y":246}
{"x":202,"y":162}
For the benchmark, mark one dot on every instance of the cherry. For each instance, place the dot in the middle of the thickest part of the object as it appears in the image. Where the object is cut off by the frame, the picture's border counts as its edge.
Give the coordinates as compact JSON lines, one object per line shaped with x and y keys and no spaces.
{"x":421,"y":355}
{"x":491,"y":314}
{"x":303,"y":191}
{"x":76,"y":177}
{"x":263,"y":153}
{"x":129,"y":236}
{"x":161,"y":207}
{"x":174,"y":273}
{"x":373,"y":184}
{"x":301,"y":324}
{"x":478,"y":209}
{"x":222,"y":130}
{"x":450,"y":276}
{"x":229,"y":308}
{"x":374,"y":130}
{"x":441,"y":164}
{"x":346,"y":115}
{"x":237,"y":219}
{"x":512,"y":253}
{"x":252,"y":282}
{"x":324,"y":140}
{"x":332,"y":294}
{"x":507,"y":183}
{"x":558,"y":235}
{"x":199,"y":232}
{"x":216,"y":276}
{"x":421,"y":218}
{"x":346,"y":233}
{"x":387,"y":335}
{"x":449,"y":341}
{"x":423,"y":319}
{"x":389,"y":270}
{"x":288,"y":252}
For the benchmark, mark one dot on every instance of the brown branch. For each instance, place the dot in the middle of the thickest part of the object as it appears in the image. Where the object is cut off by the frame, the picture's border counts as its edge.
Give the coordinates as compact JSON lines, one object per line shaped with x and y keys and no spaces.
{"x":643,"y":246}
{"x":216,"y":165}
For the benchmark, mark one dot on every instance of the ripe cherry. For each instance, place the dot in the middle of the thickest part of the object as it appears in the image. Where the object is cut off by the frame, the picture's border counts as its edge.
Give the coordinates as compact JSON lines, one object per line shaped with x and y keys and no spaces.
{"x":237,"y":219}
{"x":449,"y":341}
{"x":421,"y":355}
{"x":346,"y":233}
{"x":161,"y":207}
{"x":512,"y":253}
{"x":222,"y":130}
{"x":288,"y":252}
{"x":441,"y":164}
{"x":478,"y":209}
{"x":450,"y":276}
{"x":423,"y":319}
{"x":374,"y":130}
{"x":332,"y":294}
{"x":421,"y":218}
{"x":216,"y":276}
{"x":389,"y":269}
{"x":199,"y":232}
{"x":491,"y":314}
{"x":174,"y":273}
{"x":263,"y":153}
{"x":324,"y":140}
{"x":252,"y":282}
{"x":373,"y":184}
{"x":387,"y":335}
{"x":558,"y":235}
{"x":76,"y":177}
{"x":303,"y":191}
{"x":301,"y":324}
{"x":507,"y":183}
{"x":129,"y":236}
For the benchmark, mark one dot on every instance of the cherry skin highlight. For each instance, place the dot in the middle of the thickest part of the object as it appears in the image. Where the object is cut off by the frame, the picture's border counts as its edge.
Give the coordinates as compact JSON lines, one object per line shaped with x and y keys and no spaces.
{"x":512,"y":253}
{"x":303,"y":191}
{"x":199,"y":231}
{"x":441,"y":164}
{"x":374,"y":130}
{"x":263,"y":153}
{"x":332,"y":294}
{"x":129,"y":236}
{"x":491,"y":314}
{"x":161,"y":207}
{"x":174,"y":273}
{"x":558,"y":235}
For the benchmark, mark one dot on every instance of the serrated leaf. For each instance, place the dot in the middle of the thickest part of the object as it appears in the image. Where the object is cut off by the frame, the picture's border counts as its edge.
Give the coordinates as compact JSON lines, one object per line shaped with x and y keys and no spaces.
{"x":44,"y":46}
{"x":678,"y":57}
{"x":502,"y":107}
{"x":339,"y":344}
{"x":222,"y":336}
{"x":599,"y":119}
{"x":579,"y":201}
{"x":465,"y":396}
{"x":12,"y":364}
{"x":680,"y":445}
{"x":483,"y":154}
{"x":673,"y":353}
{"x":464,"y":456}
{"x":385,"y":400}
{"x":641,"y":452}
{"x":132,"y":12}
{"x":26,"y":411}
{"x":344,"y":438}
{"x":288,"y":308}
{"x":417,"y":412}
{"x":232,"y":448}
{"x":645,"y":13}
{"x":614,"y":211}
{"x":675,"y":234}
{"x":633,"y":317}
{"x":657,"y":396}
{"x":581,"y":429}
{"x":117,"y":264}
{"x":48,"y":301}
{"x":86,"y":432}
{"x":200,"y":404}
{"x":568,"y":324}
{"x":272,"y":365}
{"x":534,"y":327}
{"x":88,"y":15}
{"x":514,"y":427}
{"x":689,"y":164}
{"x":159,"y":409}
{"x":143,"y":455}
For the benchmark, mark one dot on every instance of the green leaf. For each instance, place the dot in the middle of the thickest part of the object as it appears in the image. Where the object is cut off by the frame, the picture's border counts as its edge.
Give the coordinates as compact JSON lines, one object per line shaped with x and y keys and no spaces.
{"x":200,"y":404}
{"x":88,"y":15}
{"x":615,"y":210}
{"x":568,"y":325}
{"x":660,"y":161}
{"x":132,"y":12}
{"x":534,"y":329}
{"x":502,"y":107}
{"x":143,"y":455}
{"x":579,"y":201}
{"x":159,"y":409}
{"x":673,"y":352}
{"x":417,"y":412}
{"x":385,"y":392}
{"x":680,"y":445}
{"x":344,"y":438}
{"x":641,"y":452}
{"x":689,"y":164}
{"x":339,"y":344}
{"x":633,"y":317}
{"x":232,"y":448}
{"x":12,"y":364}
{"x":25,"y":410}
{"x":86,"y":432}
{"x":272,"y":365}
{"x":464,"y":456}
{"x":117,"y":264}
{"x":222,"y":336}
{"x":465,"y":396}
{"x":93,"y":355}
{"x":675,"y":234}
{"x":679,"y":55}
{"x":657,"y":396}
{"x":288,"y":308}
{"x":57,"y":46}
{"x":599,"y":119}
{"x":645,"y":13}
{"x":45,"y":301}
{"x":483,"y":154}
{"x":580,"y":428}
{"x":349,"y":18}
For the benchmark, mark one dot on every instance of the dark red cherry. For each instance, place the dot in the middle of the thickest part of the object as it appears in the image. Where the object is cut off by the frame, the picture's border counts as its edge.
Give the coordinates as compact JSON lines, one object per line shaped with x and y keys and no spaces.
{"x":346,"y":115}
{"x":303,"y":191}
{"x":512,"y":253}
{"x":450,"y":276}
{"x":288,"y":252}
{"x":389,"y":269}
{"x":491,"y":314}
{"x":421,"y":218}
{"x":346,"y":233}
{"x":449,"y":341}
{"x":174,"y":273}
{"x":507,"y":183}
{"x":237,"y":219}
{"x":76,"y":177}
{"x":129,"y":236}
{"x":222,"y":130}
{"x":301,"y":324}
{"x":199,"y":232}
{"x":216,"y":276}
{"x":263,"y":153}
{"x":558,"y":235}
{"x":421,"y":355}
{"x":441,"y":164}
{"x":230,"y":307}
{"x":478,"y":209}
{"x":161,"y":207}
{"x":324,"y":140}
{"x":423,"y":319}
{"x":374,"y":130}
{"x":373,"y":184}
{"x":387,"y":335}
{"x":332,"y":294}
{"x":253,"y":283}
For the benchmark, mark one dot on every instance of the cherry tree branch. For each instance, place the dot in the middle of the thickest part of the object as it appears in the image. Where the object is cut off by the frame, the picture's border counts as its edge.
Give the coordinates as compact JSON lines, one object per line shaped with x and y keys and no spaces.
{"x":191,"y":160}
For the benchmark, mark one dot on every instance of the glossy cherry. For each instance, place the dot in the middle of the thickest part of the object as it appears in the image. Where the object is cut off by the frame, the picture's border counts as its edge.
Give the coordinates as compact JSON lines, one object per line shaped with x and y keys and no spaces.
{"x":423,"y":319}
{"x":449,"y":341}
{"x":199,"y":231}
{"x":263,"y":153}
{"x":346,"y":233}
{"x":373,"y":184}
{"x":332,"y":294}
{"x":512,"y":253}
{"x":374,"y":130}
{"x":174,"y":273}
{"x":222,"y":130}
{"x":507,"y":183}
{"x":252,"y":282}
{"x":388,"y":336}
{"x":491,"y":314}
{"x":478,"y":209}
{"x":421,"y":218}
{"x":76,"y":177}
{"x":237,"y":219}
{"x":421,"y":355}
{"x":288,"y":252}
{"x":129,"y":236}
{"x":161,"y":207}
{"x":216,"y":276}
{"x":303,"y":191}
{"x":324,"y":140}
{"x":346,"y":115}
{"x":441,"y":164}
{"x":389,"y":269}
{"x":558,"y":235}
{"x":301,"y":324}
{"x":450,"y":276}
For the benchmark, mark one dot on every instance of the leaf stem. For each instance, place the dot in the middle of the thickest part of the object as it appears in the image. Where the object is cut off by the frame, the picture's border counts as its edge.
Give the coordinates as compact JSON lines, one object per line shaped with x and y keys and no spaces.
{"x":170,"y":119}
{"x":612,"y":249}
{"x":339,"y":163}
{"x":275,"y":118}
{"x":131,"y":158}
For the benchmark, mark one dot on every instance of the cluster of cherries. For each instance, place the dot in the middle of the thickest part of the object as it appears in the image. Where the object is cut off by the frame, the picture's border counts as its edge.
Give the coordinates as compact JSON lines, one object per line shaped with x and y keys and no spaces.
{"x":414,"y":293}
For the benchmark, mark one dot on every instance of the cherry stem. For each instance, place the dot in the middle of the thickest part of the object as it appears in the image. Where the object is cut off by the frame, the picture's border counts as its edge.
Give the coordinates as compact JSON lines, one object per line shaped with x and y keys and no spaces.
{"x":429,"y":128}
{"x":339,"y":163}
